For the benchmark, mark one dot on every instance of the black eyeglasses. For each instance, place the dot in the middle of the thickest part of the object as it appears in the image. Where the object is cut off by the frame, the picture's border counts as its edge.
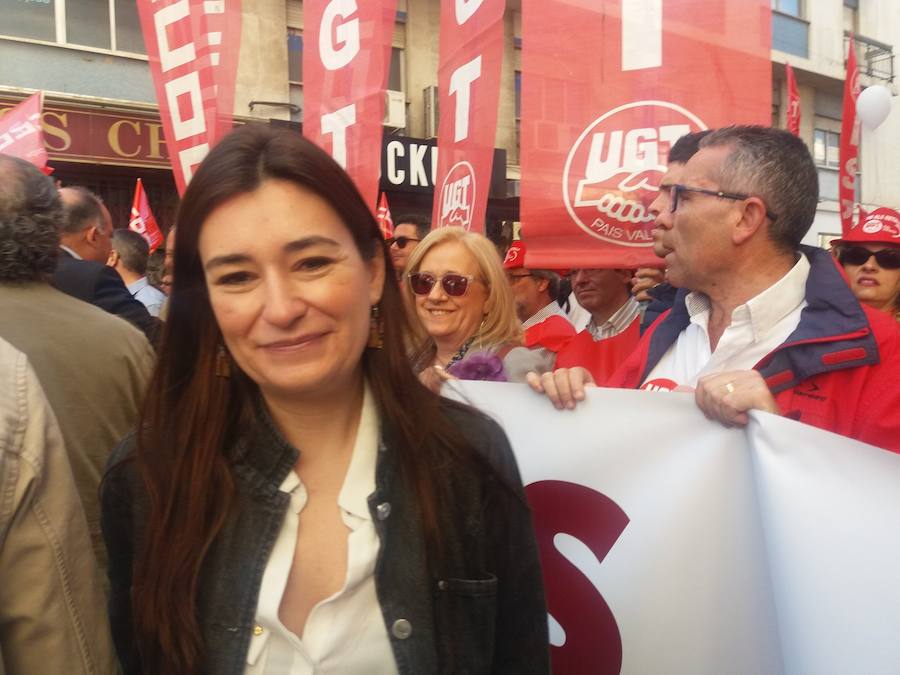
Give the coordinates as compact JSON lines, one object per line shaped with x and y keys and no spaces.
{"x":887,"y":258}
{"x":401,"y":241}
{"x":513,"y":277}
{"x":453,"y":284}
{"x":677,"y":189}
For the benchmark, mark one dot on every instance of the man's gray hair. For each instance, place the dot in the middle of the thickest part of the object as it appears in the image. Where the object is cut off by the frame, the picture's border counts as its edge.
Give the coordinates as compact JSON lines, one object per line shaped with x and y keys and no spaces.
{"x":552,"y":281}
{"x":30,"y":213}
{"x":775,"y":166}
{"x":133,"y":250}
{"x":82,"y":209}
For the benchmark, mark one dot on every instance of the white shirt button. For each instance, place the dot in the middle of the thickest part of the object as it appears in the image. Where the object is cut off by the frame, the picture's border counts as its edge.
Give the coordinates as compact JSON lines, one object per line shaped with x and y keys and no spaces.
{"x":401,"y":629}
{"x":383,"y":510}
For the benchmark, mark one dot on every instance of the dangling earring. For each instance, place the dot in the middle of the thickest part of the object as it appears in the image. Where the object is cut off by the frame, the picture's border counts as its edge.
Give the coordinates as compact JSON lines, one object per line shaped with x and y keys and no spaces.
{"x":223,"y":363}
{"x":376,"y":329}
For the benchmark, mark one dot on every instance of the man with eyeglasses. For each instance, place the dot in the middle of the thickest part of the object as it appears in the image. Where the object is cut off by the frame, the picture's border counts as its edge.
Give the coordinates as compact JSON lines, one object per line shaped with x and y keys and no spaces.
{"x":761,"y":322}
{"x":535,"y":292}
{"x":408,"y":232}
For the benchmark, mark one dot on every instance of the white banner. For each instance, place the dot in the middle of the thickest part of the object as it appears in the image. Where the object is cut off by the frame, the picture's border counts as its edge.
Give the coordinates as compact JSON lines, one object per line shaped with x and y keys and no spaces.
{"x":673,"y":545}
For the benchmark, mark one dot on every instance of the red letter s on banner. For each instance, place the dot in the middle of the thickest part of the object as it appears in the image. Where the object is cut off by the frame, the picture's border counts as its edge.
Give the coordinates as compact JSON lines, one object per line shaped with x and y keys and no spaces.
{"x":593,"y":643}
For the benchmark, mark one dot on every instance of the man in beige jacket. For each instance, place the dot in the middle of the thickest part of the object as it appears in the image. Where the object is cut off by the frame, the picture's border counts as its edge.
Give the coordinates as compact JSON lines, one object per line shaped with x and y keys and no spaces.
{"x":93,"y":366}
{"x":52,"y":608}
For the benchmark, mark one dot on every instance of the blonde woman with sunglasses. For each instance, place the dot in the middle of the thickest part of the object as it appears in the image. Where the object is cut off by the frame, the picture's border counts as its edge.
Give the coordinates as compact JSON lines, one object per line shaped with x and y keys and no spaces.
{"x":467,"y":324}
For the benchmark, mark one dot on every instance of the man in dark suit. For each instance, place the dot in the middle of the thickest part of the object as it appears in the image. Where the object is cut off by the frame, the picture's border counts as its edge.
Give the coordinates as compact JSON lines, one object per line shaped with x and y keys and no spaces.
{"x":85,"y":245}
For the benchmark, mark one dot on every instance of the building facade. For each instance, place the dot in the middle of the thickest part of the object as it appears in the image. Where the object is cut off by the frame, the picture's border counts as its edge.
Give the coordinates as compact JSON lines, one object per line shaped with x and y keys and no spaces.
{"x":103,"y":130}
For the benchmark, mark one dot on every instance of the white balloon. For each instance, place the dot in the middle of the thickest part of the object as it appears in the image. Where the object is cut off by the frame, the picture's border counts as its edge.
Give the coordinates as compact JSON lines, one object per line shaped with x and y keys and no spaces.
{"x":873,"y":105}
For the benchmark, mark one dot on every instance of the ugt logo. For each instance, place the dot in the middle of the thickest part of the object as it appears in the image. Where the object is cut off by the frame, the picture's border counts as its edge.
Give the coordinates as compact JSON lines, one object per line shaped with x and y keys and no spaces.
{"x":458,"y":196}
{"x":613,"y":170}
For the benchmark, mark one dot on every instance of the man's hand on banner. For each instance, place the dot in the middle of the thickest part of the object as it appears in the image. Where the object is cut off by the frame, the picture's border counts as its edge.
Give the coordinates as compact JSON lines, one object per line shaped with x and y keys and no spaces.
{"x":564,"y":387}
{"x":726,"y":397}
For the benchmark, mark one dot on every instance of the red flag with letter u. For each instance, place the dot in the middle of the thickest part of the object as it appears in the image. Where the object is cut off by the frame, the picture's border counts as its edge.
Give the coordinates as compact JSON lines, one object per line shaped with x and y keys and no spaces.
{"x":471,"y":54}
{"x":21,"y":134}
{"x":849,"y":150}
{"x":142,"y":219}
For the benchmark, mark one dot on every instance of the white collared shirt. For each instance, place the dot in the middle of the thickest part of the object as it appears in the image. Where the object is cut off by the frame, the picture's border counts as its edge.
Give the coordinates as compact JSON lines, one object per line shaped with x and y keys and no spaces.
{"x":71,"y":252}
{"x":150,"y":297}
{"x":344,"y":633}
{"x":620,"y":320}
{"x":544,"y":313}
{"x":757,"y":327}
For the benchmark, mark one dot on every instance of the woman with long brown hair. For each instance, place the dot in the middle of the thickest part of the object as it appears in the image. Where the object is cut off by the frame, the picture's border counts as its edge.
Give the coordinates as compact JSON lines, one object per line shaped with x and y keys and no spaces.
{"x":294,"y":500}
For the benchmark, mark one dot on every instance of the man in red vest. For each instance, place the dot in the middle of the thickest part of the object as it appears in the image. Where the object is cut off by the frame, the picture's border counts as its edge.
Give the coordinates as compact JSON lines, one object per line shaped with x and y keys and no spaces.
{"x":547,"y":328}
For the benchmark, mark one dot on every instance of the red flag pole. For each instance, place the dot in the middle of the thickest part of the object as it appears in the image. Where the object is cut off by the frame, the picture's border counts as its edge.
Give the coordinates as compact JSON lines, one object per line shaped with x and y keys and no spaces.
{"x":849,"y":150}
{"x":142,"y":220}
{"x":793,"y":109}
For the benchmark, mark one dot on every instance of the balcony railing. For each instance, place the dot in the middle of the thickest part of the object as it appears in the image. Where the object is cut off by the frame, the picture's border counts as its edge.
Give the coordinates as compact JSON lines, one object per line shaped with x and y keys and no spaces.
{"x":875,"y":59}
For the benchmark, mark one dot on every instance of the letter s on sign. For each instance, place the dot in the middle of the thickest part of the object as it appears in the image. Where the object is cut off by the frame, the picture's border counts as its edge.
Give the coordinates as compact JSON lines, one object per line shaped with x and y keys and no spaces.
{"x":593,"y":643}
{"x":345,"y":34}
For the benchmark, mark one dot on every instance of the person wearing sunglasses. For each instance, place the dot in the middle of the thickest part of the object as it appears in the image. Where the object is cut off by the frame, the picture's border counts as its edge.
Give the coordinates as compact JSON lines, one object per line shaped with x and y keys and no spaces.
{"x":464,"y":306}
{"x":408,"y":232}
{"x":760,"y":321}
{"x":870,"y":255}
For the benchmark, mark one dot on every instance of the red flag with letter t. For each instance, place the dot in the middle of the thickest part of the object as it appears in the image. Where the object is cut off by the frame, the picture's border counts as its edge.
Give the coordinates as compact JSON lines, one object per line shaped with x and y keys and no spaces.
{"x":346,"y":61}
{"x":21,"y":134}
{"x":793,"y":107}
{"x":471,"y":54}
{"x":607,"y":88}
{"x":192,"y":47}
{"x":142,"y":219}
{"x":849,"y":150}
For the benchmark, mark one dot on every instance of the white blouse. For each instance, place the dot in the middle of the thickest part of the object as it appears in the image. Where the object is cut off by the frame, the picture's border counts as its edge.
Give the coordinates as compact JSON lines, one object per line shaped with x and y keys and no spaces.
{"x":344,"y":633}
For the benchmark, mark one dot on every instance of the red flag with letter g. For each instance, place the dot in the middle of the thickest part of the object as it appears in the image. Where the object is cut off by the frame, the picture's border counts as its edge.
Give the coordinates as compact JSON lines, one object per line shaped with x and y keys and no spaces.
{"x":849,"y":150}
{"x":793,"y":109}
{"x":142,"y":220}
{"x":21,"y":134}
{"x":385,"y":222}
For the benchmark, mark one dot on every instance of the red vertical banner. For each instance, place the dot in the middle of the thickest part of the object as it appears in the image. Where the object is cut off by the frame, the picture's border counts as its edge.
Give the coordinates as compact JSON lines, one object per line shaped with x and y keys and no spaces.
{"x":849,"y":150}
{"x":142,"y":219}
{"x":21,"y":134}
{"x":471,"y":54}
{"x":346,"y":58}
{"x":193,"y":48}
{"x":607,"y":88}
{"x":793,"y":106}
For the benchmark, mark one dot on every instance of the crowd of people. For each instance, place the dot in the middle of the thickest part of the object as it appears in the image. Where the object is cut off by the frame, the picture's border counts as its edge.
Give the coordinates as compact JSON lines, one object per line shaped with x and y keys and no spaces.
{"x":249,"y":462}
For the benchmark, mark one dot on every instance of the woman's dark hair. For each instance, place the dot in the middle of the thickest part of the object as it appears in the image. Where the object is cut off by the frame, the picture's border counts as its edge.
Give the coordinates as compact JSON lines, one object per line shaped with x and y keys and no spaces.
{"x":191,"y":416}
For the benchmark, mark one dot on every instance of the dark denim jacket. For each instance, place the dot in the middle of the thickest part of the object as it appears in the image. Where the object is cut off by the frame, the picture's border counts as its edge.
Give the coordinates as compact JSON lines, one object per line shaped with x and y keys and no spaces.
{"x":484,"y":612}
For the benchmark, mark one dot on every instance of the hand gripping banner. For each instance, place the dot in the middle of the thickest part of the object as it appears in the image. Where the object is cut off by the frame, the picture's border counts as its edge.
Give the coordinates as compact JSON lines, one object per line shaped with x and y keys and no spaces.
{"x":193,"y":49}
{"x":345,"y":70}
{"x":471,"y":54}
{"x":607,"y":88}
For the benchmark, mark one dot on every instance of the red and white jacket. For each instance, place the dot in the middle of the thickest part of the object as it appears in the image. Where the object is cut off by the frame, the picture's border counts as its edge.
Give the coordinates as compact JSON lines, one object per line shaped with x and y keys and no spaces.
{"x":839,"y":370}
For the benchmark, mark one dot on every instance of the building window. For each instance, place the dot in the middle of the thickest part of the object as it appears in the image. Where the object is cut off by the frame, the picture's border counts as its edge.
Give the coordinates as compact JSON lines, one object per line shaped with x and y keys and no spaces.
{"x":395,"y":74}
{"x":791,"y":7}
{"x":102,"y":24}
{"x":826,"y":148}
{"x":295,"y":56}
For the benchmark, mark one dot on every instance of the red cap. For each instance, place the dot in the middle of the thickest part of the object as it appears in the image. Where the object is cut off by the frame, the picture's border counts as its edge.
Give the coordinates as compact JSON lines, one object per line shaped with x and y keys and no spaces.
{"x":515,"y":256}
{"x":882,"y":226}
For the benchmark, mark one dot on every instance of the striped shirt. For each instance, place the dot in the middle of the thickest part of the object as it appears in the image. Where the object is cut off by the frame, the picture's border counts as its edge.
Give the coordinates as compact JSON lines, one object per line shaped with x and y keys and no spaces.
{"x":618,"y":322}
{"x":543,"y":314}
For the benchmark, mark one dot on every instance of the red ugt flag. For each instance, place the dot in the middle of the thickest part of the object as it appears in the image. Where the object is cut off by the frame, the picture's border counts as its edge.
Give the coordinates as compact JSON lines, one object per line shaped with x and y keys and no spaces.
{"x":21,"y":134}
{"x":469,"y":85}
{"x":383,"y":216}
{"x":607,"y":88}
{"x":849,"y":142}
{"x":793,"y":108}
{"x":142,"y":220}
